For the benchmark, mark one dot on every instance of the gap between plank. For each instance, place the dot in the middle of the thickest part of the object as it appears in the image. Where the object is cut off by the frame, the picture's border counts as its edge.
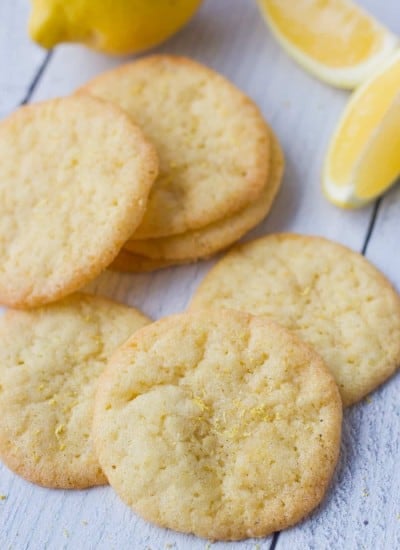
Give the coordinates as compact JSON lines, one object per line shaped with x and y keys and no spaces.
{"x":36,"y":79}
{"x":371,"y":225}
{"x":274,"y":540}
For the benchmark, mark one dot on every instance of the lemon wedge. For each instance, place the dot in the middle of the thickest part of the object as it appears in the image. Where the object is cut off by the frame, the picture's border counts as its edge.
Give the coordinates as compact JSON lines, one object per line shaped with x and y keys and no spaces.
{"x":334,"y":40}
{"x":363,"y":159}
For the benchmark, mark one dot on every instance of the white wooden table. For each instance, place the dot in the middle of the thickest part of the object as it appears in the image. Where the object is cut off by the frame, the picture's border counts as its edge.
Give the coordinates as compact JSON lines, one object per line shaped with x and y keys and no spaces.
{"x":362,"y":509}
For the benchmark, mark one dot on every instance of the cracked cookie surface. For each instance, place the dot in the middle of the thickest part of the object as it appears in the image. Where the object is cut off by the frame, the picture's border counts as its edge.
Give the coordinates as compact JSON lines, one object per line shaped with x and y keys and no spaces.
{"x":330,"y":296}
{"x":75,"y":175}
{"x":50,"y":360}
{"x":218,"y":423}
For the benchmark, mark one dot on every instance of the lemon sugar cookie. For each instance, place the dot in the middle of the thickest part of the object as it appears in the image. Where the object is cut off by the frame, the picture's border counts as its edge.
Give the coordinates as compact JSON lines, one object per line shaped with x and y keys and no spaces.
{"x":233,"y":433}
{"x":74,"y":180}
{"x":50,"y":360}
{"x":328,"y":295}
{"x":211,"y":139}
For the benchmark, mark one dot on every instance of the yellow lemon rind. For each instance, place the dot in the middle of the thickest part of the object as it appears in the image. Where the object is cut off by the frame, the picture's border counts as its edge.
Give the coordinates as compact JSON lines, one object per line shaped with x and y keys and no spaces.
{"x":343,"y":196}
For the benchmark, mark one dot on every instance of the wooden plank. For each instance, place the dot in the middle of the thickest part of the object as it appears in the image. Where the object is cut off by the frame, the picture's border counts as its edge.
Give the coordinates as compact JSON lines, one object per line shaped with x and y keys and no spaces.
{"x":20,"y":59}
{"x":362,"y":508}
{"x":230,"y":36}
{"x":383,"y":249}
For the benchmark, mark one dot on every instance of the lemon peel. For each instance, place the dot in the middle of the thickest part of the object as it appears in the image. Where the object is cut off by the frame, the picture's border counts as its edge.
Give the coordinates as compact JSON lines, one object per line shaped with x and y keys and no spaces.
{"x":334,"y":40}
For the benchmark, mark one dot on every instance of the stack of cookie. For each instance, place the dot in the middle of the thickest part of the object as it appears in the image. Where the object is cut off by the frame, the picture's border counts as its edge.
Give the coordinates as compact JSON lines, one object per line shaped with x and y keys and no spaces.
{"x":220,"y":165}
{"x":163,"y":157}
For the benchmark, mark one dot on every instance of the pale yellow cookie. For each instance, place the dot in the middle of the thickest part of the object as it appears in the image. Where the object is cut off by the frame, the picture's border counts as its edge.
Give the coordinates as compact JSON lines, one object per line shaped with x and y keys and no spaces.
{"x":75,"y":174}
{"x":50,"y":360}
{"x":218,"y":423}
{"x":330,"y":296}
{"x":213,"y":238}
{"x":211,"y":139}
{"x":134,"y":263}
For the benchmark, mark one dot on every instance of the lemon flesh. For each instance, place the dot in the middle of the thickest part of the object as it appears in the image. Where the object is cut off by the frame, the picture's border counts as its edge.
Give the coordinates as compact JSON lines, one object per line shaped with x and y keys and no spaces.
{"x":333,"y":39}
{"x":116,"y":27}
{"x":364,"y":156}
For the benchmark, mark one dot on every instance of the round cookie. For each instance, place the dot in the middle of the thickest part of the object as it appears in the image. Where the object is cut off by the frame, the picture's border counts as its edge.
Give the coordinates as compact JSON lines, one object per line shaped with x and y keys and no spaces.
{"x":215,"y":237}
{"x":74,"y":180}
{"x":218,"y":423}
{"x":328,"y":295}
{"x":211,"y":139}
{"x":50,"y":360}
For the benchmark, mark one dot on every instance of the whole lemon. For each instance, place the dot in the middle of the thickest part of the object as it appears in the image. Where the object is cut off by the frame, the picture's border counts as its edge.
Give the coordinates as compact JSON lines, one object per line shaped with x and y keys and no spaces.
{"x":111,"y":26}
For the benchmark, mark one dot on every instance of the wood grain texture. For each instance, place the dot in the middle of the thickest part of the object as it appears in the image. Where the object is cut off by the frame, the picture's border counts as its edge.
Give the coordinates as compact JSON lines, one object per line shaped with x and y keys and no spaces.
{"x":230,"y":36}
